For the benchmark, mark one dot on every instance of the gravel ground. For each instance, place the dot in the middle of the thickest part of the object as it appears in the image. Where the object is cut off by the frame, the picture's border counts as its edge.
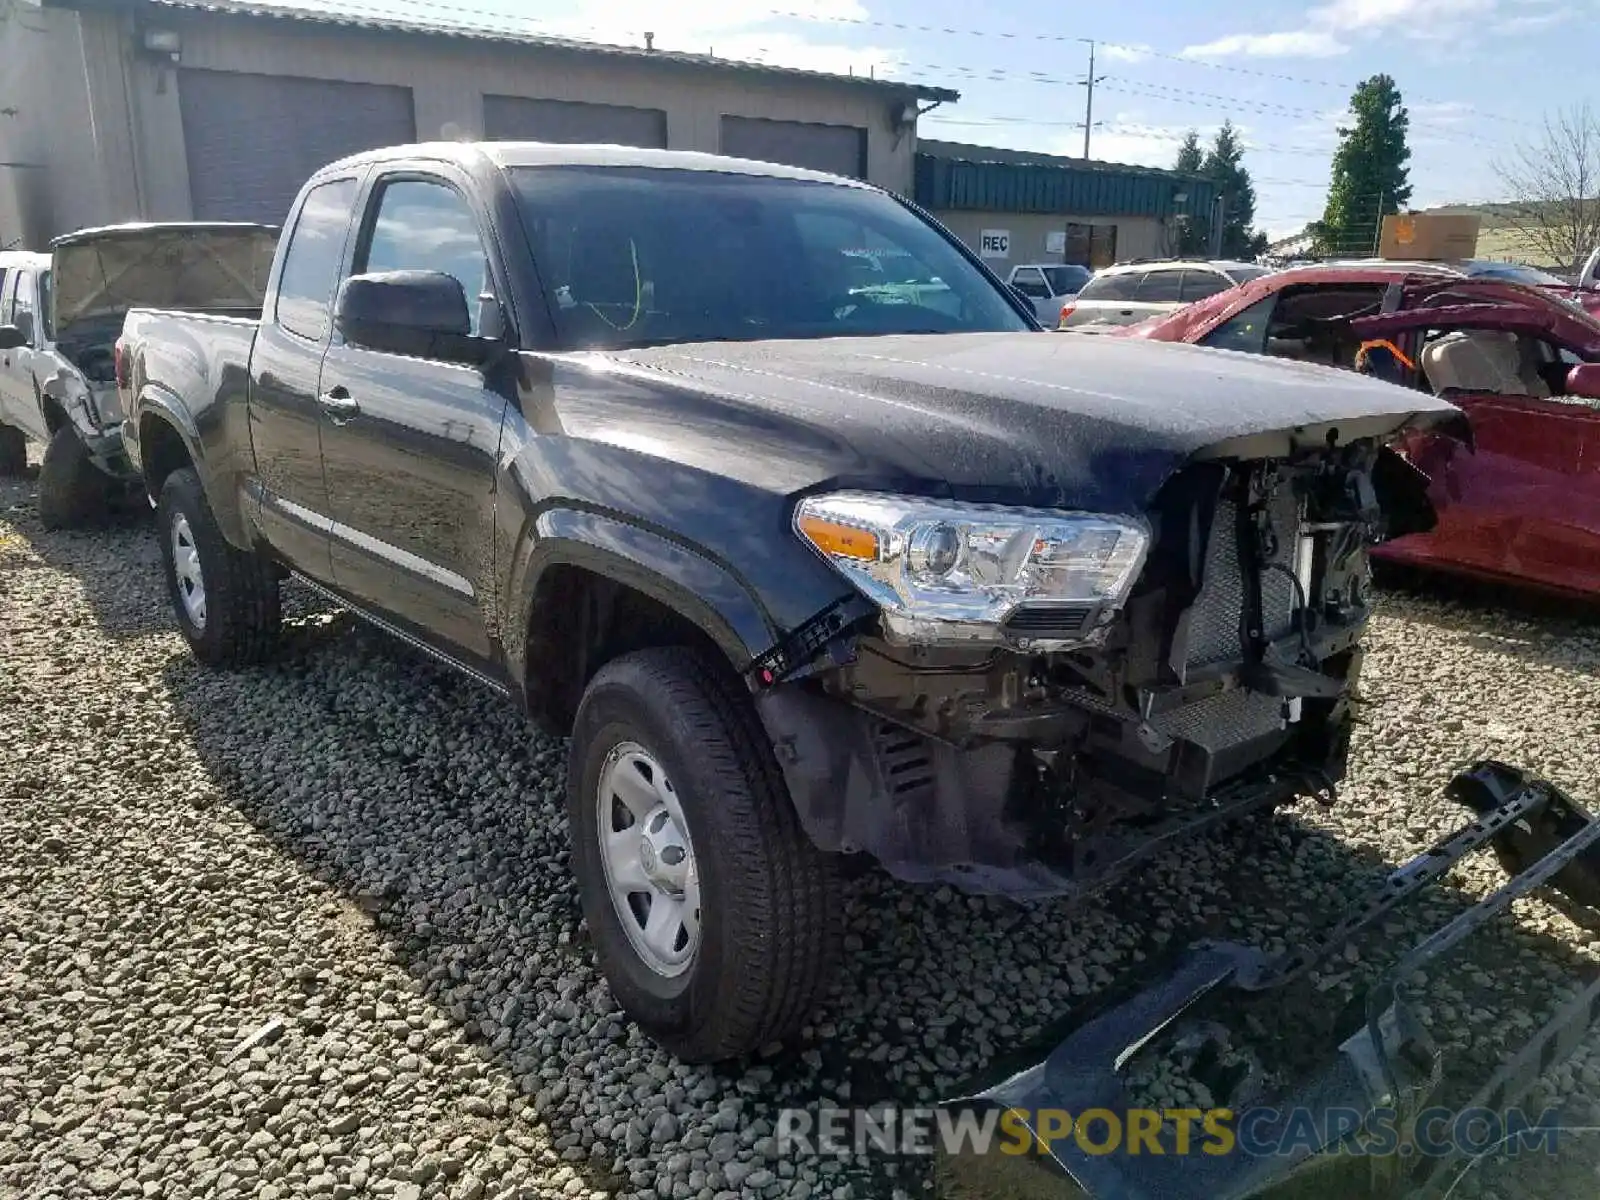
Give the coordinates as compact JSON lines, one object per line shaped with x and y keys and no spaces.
{"x":308,"y":931}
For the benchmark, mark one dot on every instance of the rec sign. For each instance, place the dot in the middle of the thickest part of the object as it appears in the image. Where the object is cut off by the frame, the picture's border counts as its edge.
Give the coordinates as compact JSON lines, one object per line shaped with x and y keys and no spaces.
{"x":994,"y":243}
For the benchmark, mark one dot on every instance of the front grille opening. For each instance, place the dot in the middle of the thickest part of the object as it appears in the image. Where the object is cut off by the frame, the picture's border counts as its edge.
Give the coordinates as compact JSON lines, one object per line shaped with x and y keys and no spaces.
{"x":1055,"y":620}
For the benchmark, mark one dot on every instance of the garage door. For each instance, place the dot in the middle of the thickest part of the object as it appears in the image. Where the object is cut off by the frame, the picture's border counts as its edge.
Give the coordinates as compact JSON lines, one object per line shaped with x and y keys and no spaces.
{"x":252,"y":140}
{"x":839,"y":149}
{"x":519,"y":119}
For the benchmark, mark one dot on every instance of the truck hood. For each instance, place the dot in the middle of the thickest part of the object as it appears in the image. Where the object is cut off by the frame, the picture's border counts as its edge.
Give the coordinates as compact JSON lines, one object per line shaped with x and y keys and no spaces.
{"x":101,"y":273}
{"x":1062,"y":420}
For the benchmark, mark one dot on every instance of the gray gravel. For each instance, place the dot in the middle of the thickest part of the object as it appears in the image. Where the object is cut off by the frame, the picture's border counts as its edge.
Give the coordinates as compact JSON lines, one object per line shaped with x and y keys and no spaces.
{"x":308,"y":931}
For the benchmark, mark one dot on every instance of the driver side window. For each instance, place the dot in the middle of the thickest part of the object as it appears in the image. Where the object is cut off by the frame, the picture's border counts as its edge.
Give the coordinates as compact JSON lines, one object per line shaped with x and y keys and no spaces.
{"x":1245,"y":330}
{"x":1031,"y":283}
{"x":427,"y":226}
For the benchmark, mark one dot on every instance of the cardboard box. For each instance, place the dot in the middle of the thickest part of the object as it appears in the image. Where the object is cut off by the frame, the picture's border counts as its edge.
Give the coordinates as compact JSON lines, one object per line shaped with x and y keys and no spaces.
{"x":1430,"y":236}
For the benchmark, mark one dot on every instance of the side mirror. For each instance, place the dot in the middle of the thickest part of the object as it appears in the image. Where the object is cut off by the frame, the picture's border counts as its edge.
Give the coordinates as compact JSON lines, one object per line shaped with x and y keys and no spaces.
{"x":421,"y":314}
{"x":12,"y":338}
{"x":1583,"y":381}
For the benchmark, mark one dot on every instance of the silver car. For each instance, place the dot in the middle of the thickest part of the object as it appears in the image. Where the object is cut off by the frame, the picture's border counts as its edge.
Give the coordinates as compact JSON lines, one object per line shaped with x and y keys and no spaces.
{"x":1135,"y":291}
{"x":1047,"y":285}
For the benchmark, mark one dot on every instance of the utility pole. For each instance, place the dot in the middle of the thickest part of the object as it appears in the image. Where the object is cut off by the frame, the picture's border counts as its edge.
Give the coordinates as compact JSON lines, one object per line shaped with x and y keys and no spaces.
{"x":1377,"y":234}
{"x":1088,"y":105}
{"x":1218,"y":216}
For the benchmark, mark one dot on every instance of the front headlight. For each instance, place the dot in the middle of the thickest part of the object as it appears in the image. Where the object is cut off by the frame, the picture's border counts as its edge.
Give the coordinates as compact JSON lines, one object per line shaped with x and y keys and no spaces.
{"x":943,"y":571}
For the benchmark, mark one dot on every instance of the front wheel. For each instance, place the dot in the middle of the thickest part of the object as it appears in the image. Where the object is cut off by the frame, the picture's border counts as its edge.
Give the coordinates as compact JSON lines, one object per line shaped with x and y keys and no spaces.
{"x":714,"y":918}
{"x":72,"y":490}
{"x":226,"y":600}
{"x":13,"y":451}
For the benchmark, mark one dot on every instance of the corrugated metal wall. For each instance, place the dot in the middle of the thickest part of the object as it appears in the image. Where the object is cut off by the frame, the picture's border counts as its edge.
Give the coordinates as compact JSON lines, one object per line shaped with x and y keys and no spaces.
{"x":252,"y":140}
{"x":838,"y":149}
{"x":518,"y":118}
{"x":1011,"y":187}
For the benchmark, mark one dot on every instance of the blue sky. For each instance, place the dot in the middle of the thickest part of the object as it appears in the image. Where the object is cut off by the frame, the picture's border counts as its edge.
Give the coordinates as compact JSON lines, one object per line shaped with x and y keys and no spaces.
{"x":1478,"y":75}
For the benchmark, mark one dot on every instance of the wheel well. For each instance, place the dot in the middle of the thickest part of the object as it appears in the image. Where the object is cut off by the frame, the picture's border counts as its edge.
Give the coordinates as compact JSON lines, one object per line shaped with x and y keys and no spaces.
{"x":582,"y":620}
{"x":161,"y":450}
{"x":55,"y":417}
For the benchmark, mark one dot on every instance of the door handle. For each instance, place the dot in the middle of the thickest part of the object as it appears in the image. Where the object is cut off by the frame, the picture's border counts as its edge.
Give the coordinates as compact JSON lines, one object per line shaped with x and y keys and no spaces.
{"x":341,"y":406}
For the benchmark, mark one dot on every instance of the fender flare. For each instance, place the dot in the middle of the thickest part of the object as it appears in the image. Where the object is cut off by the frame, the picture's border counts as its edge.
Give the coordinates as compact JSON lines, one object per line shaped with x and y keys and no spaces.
{"x":160,"y":404}
{"x":696,"y":587}
{"x":156,"y":403}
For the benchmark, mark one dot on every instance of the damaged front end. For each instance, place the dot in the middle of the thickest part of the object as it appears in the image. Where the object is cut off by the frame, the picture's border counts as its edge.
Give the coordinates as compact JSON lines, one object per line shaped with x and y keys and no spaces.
{"x":1389,"y":1114}
{"x":1088,"y":736}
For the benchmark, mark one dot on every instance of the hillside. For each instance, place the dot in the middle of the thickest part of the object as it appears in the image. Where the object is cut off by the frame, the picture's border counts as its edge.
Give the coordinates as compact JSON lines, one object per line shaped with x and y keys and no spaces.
{"x":1498,"y":238}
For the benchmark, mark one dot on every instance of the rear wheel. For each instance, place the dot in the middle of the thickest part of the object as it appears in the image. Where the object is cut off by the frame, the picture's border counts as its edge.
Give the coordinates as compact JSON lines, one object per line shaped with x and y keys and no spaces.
{"x":72,"y":490}
{"x":13,"y":451}
{"x":226,"y":600}
{"x":714,"y":918}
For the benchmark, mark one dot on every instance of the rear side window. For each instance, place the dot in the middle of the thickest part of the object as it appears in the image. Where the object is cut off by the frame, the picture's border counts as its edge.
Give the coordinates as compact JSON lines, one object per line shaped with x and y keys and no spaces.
{"x":311,"y":262}
{"x":1197,"y":285}
{"x":1161,"y":287}
{"x":1112,"y":287}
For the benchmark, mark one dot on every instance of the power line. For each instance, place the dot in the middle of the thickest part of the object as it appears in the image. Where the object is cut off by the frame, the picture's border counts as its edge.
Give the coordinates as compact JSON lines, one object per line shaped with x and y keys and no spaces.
{"x":501,"y":19}
{"x":1137,"y":51}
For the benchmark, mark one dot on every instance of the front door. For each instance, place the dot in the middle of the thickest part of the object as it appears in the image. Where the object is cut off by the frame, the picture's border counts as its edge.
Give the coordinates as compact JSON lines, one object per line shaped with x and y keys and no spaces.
{"x":411,"y":464}
{"x":1525,"y":503}
{"x":286,"y":413}
{"x":19,"y":402}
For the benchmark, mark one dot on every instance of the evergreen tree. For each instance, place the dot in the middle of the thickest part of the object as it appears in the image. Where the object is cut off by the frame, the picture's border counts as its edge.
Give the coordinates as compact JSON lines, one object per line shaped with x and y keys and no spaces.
{"x":1190,"y":156}
{"x":1189,"y":232}
{"x":1224,"y":166}
{"x":1370,"y":176}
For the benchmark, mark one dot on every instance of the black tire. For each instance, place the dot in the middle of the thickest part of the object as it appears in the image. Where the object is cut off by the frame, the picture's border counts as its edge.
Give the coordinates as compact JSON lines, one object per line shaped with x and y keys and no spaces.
{"x":769,"y":916}
{"x":13,"y":451}
{"x":72,"y":490}
{"x":242,"y":602}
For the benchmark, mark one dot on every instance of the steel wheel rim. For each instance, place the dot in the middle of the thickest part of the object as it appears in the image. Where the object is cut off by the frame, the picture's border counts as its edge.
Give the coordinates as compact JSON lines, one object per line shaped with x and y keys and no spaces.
{"x":186,"y":571}
{"x":648,"y":860}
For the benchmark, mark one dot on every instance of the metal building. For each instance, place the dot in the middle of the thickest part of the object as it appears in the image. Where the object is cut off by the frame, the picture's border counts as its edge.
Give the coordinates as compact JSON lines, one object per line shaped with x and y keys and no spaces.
{"x":1016,"y":206}
{"x":118,"y":110}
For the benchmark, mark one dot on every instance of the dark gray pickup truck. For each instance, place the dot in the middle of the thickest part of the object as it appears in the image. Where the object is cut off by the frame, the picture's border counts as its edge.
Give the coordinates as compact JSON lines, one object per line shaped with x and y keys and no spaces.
{"x":807,"y":567}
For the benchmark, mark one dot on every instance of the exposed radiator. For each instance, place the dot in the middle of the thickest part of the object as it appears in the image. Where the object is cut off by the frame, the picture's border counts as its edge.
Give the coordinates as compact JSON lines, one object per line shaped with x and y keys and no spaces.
{"x":1216,"y":635}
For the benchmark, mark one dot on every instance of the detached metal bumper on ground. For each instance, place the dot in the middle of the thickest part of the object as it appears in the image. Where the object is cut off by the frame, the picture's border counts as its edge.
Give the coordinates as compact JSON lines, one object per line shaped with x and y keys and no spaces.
{"x":1353,"y":1124}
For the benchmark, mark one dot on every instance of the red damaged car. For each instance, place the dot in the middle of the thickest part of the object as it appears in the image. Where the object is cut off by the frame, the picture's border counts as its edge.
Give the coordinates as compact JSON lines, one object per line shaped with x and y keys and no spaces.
{"x":1523,"y":503}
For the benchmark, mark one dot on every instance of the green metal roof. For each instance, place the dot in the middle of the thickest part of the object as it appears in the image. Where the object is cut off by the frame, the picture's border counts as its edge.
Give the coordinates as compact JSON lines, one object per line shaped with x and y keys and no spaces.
{"x":977,"y":178}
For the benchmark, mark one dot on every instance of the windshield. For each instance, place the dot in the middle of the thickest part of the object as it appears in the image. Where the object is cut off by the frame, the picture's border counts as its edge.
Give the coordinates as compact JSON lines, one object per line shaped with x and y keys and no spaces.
{"x":1513,"y":273}
{"x":634,"y":256}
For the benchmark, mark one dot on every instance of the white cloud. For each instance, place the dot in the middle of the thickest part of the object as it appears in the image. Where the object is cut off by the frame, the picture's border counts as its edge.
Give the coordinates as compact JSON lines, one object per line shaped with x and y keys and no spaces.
{"x":1113,"y":52}
{"x":1330,"y":28}
{"x":692,"y":26}
{"x":1299,"y":43}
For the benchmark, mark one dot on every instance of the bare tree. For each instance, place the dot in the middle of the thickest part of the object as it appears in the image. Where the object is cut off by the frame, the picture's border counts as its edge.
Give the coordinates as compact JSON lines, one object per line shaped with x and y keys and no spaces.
{"x":1553,"y":185}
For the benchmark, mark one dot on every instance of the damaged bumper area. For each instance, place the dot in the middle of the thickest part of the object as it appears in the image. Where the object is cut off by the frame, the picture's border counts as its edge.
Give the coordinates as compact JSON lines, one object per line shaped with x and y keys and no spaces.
{"x":1089,"y":741}
{"x":1362,"y":1120}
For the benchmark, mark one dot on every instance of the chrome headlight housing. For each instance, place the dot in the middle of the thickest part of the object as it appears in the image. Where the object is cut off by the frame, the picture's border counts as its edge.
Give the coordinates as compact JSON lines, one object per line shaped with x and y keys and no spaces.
{"x":943,"y":571}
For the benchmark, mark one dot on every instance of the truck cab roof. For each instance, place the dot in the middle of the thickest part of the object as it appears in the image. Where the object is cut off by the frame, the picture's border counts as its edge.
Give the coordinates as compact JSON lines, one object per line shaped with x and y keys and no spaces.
{"x":552,"y":154}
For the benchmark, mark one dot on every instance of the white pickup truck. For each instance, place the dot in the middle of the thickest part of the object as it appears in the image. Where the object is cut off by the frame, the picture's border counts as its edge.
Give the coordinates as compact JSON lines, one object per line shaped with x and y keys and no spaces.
{"x":1589,"y":278}
{"x":60,"y":314}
